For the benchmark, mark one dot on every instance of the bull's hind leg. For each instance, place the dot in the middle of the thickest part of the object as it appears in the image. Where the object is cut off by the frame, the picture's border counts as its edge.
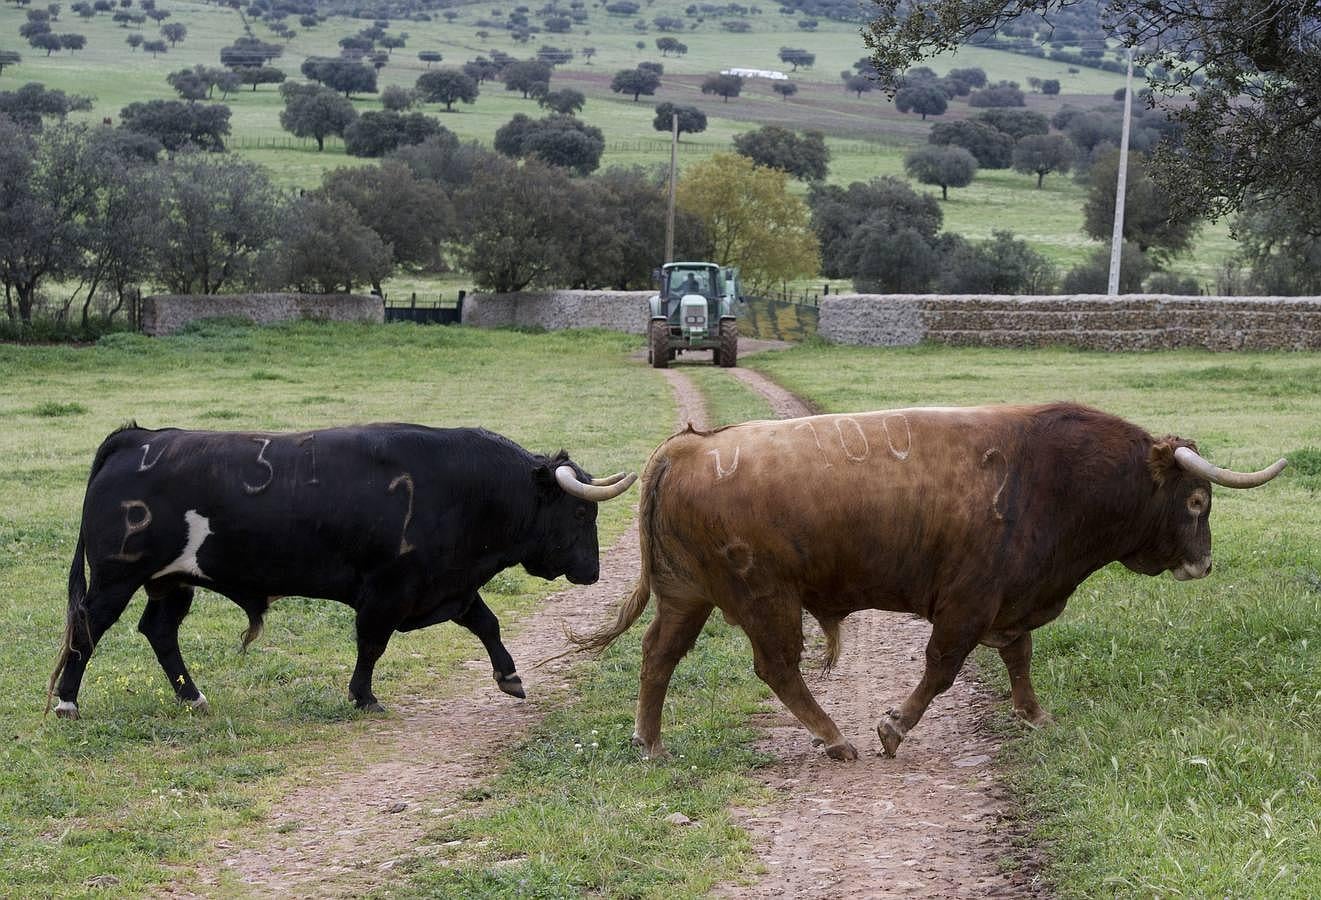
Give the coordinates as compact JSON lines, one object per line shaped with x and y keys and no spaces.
{"x":482,"y":622}
{"x":1017,"y":658}
{"x":952,"y":638}
{"x":777,"y":649}
{"x":669,"y":637}
{"x":101,"y":608}
{"x":166,"y":607}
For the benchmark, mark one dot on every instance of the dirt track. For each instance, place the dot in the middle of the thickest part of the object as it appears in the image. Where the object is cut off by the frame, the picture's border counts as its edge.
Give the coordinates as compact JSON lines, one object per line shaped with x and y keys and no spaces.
{"x":926,"y":824}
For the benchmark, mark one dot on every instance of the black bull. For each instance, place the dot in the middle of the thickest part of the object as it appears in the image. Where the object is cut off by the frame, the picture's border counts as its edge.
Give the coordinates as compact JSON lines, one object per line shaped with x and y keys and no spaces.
{"x":403,"y":523}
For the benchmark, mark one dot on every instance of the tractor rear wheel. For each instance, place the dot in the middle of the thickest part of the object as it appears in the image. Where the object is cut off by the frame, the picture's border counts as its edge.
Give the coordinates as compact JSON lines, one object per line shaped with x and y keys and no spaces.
{"x":659,"y":344}
{"x":727,"y":356}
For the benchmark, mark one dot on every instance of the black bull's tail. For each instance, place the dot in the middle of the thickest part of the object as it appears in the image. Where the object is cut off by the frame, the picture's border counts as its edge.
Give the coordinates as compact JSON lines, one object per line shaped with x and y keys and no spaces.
{"x":631,"y":609}
{"x":77,"y":613}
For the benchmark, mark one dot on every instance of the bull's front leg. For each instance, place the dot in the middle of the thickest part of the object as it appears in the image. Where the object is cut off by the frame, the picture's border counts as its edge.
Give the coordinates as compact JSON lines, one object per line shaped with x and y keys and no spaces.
{"x":952,"y":638}
{"x":479,"y":619}
{"x":1017,"y":658}
{"x":381,"y":604}
{"x":374,"y":632}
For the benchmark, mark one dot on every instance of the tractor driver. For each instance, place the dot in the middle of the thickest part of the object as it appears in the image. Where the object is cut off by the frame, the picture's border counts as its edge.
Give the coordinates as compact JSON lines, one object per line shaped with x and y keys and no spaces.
{"x":688,"y":286}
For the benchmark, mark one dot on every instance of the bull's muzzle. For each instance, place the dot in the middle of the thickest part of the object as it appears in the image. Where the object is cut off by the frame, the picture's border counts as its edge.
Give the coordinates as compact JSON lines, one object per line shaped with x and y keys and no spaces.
{"x":1190,"y":571}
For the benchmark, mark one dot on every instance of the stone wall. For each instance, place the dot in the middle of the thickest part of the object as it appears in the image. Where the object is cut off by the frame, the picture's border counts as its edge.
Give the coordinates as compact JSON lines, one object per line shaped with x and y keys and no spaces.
{"x":168,"y":313}
{"x":1087,"y":321}
{"x":625,"y":311}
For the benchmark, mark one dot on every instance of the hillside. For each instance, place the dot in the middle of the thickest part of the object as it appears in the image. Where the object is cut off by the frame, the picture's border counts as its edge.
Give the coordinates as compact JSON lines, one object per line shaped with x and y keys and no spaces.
{"x":867,"y":135}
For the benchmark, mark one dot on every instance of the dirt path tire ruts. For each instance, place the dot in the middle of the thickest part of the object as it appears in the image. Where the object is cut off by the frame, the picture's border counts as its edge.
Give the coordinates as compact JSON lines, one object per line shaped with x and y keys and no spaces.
{"x":341,"y":834}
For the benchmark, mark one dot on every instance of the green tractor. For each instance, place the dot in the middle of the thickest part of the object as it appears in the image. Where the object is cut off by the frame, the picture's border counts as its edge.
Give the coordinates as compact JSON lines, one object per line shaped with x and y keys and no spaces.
{"x":695,"y":309}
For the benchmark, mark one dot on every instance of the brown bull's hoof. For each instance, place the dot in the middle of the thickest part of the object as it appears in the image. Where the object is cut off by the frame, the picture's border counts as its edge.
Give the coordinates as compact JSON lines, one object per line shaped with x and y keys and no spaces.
{"x":890,"y":735}
{"x":66,"y":710}
{"x":1034,"y":719}
{"x":655,"y":752}
{"x":200,"y":705}
{"x":843,"y":751}
{"x":372,"y":707}
{"x":512,"y":685}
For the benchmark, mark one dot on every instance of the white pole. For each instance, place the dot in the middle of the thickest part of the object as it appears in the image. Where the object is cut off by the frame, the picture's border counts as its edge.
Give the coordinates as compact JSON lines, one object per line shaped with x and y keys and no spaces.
{"x":1121,"y":185}
{"x":669,"y":216}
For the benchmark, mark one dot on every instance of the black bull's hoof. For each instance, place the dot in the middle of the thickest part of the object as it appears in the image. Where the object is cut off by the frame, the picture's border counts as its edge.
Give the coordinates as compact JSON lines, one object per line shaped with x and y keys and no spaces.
{"x":511,"y":684}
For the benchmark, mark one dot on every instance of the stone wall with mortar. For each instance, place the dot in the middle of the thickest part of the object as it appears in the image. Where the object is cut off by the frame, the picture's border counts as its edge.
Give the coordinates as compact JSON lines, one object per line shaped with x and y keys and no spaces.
{"x":625,"y":311}
{"x":1085,"y":321}
{"x":168,"y":313}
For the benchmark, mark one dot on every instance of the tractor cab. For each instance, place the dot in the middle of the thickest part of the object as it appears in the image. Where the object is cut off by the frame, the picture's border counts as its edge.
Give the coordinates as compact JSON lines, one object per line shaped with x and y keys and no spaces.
{"x":694,"y":309}
{"x":694,"y":281}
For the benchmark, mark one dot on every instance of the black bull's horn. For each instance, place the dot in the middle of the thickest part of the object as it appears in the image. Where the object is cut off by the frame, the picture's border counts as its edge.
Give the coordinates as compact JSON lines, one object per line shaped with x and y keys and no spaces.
{"x":1189,"y":460}
{"x":599,"y":490}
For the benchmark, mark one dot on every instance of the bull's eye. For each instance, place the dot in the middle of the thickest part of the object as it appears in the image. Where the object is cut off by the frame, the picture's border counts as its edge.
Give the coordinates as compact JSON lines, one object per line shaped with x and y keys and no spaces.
{"x":1197,"y":503}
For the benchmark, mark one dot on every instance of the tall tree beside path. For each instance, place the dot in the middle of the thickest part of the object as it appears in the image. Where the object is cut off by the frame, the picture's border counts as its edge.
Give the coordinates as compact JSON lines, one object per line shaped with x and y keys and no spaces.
{"x":946,"y":166}
{"x":48,"y":184}
{"x":221,"y":213}
{"x":806,"y":158}
{"x":691,"y":119}
{"x":527,"y":76}
{"x":447,"y":86}
{"x":751,"y":219}
{"x":413,"y":215}
{"x":637,"y":82}
{"x":1153,"y":217}
{"x":1242,"y":78}
{"x":1041,"y":154}
{"x":924,"y":98}
{"x":723,"y":86}
{"x":311,"y":110}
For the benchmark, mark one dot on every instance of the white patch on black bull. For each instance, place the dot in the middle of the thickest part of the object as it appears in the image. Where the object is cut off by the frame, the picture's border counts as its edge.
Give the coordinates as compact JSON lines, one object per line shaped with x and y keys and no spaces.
{"x":199,"y":528}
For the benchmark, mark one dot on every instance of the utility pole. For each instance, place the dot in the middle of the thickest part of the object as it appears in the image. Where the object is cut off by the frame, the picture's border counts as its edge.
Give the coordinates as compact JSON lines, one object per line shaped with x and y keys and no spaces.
{"x":674,"y":159}
{"x":1121,"y":186}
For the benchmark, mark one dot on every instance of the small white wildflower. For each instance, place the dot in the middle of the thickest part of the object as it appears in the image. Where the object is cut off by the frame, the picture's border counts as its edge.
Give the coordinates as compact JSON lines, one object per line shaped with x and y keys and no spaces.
{"x":595,"y":744}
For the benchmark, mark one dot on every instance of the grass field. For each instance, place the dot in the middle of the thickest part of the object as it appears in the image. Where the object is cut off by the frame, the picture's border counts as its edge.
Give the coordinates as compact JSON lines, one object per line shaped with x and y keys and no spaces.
{"x":1184,"y":760}
{"x":1185,"y":757}
{"x":867,"y":136}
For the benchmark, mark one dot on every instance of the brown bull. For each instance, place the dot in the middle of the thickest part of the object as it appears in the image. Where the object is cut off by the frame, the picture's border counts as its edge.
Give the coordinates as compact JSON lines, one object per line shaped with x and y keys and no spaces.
{"x":981,"y":520}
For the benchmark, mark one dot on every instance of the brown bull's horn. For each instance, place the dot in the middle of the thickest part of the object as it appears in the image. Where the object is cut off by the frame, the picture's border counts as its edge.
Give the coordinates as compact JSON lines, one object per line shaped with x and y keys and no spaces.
{"x":606,"y":482}
{"x":1189,"y":460}
{"x":567,"y":479}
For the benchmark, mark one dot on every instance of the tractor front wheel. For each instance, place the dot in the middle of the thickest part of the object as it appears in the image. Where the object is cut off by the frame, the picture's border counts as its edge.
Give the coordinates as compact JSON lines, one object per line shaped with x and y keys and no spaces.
{"x":659,"y":344}
{"x":727,"y":356}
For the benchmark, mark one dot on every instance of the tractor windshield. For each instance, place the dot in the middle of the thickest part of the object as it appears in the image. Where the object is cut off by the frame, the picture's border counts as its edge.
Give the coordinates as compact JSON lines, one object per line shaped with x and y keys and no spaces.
{"x":683,"y":281}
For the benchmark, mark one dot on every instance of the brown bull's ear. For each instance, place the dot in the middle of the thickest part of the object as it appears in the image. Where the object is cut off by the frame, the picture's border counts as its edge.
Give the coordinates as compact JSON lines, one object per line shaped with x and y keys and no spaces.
{"x":1161,"y":460}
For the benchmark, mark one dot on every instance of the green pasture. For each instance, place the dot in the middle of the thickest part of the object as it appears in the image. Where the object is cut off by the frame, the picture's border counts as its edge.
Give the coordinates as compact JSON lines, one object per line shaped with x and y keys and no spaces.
{"x":867,"y":136}
{"x":1185,"y":756}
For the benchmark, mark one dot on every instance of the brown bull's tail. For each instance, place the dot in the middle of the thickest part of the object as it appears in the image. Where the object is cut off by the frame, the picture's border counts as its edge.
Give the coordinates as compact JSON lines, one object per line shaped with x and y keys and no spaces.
{"x":629,"y":612}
